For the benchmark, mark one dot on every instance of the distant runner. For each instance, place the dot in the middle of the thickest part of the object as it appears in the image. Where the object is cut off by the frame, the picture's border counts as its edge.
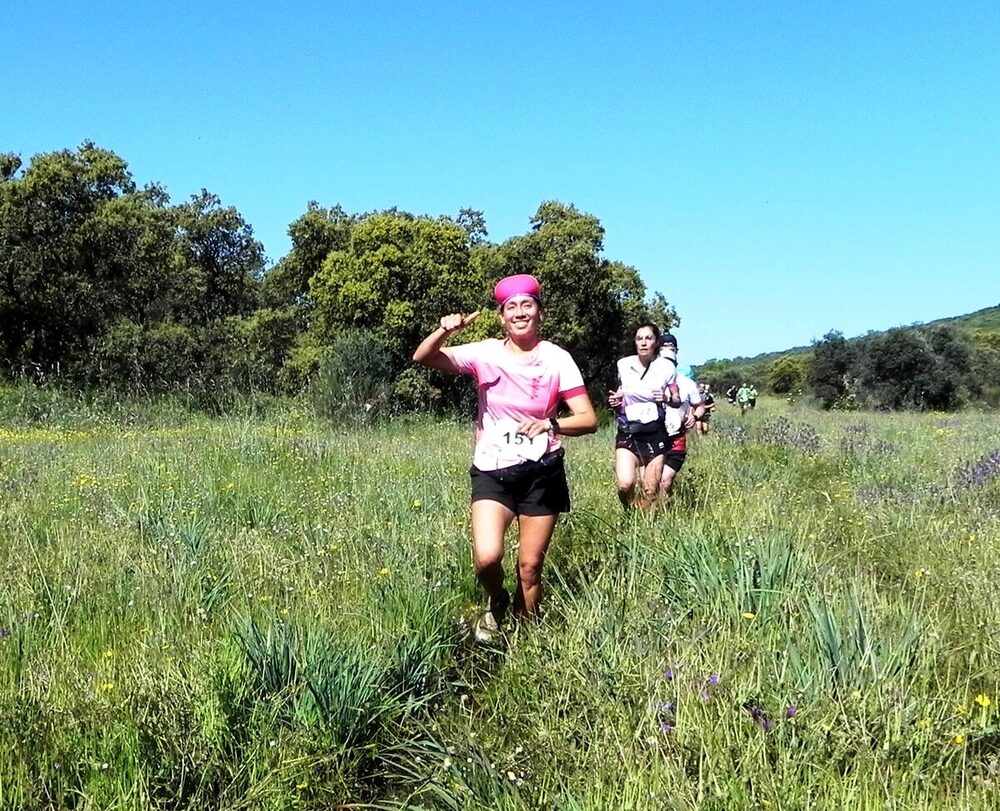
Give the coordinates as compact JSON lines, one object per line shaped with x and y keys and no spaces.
{"x":641,"y":442}
{"x":743,"y":398}
{"x":708,"y":403}
{"x":517,"y":468}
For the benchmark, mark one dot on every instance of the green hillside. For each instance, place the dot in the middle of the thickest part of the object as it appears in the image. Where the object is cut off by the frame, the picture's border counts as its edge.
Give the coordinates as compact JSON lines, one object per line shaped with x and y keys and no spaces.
{"x":985,"y":320}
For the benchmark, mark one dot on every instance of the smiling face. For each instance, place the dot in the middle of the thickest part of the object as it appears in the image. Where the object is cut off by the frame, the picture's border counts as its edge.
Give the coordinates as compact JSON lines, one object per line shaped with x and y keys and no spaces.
{"x":521,"y":316}
{"x":645,"y":343}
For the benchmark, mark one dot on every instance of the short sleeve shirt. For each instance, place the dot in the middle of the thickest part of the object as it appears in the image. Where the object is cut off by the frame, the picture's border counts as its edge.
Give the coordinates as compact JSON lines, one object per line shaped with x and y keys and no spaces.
{"x":690,"y":397}
{"x":513,"y":388}
{"x":639,"y":385}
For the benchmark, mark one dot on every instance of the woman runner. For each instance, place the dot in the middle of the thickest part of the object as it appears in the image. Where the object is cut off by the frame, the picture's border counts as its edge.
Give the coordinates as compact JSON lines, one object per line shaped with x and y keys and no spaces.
{"x":644,"y":386}
{"x":517,"y":468}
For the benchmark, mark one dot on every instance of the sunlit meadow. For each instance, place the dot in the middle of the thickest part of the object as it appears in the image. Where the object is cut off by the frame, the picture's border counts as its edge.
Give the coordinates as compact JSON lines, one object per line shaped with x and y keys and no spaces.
{"x":264,"y":611}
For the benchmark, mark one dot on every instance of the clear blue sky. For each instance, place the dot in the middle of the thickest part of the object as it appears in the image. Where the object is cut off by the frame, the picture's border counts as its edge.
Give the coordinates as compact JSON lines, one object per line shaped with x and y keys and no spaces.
{"x":775,"y":169}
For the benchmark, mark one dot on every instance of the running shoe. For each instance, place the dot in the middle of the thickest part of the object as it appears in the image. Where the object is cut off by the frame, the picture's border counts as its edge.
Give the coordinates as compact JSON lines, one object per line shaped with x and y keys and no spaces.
{"x":487,"y":628}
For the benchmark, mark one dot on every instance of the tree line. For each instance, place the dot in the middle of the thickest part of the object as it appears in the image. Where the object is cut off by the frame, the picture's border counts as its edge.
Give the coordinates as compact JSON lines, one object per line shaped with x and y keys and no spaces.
{"x":935,"y":367}
{"x":108,"y":285}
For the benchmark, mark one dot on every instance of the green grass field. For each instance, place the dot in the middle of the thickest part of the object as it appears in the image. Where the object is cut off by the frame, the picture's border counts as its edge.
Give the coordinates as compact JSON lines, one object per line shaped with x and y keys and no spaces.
{"x":264,"y":612}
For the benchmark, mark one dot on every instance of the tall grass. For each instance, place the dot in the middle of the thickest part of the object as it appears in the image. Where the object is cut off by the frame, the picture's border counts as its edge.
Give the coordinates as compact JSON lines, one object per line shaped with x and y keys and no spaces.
{"x":262,"y":611}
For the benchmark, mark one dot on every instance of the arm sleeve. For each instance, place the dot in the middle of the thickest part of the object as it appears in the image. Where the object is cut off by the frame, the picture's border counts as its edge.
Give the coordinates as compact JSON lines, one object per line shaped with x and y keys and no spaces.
{"x":465,"y":357}
{"x":570,"y":378}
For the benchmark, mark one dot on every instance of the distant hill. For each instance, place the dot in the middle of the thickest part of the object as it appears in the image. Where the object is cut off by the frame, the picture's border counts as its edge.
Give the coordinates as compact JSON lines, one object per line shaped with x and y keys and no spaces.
{"x":985,"y":320}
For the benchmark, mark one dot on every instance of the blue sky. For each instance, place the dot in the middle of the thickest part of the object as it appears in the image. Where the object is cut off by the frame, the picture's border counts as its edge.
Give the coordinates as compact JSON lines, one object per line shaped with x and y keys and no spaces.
{"x":776,"y":170}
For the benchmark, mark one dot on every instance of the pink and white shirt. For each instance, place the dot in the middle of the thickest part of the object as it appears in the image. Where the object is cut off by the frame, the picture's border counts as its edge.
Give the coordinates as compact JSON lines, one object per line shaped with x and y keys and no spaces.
{"x":513,"y":388}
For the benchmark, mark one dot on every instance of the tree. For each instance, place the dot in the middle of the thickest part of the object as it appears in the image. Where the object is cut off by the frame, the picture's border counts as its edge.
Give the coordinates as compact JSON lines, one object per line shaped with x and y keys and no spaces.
{"x":592,"y":304}
{"x":788,"y":374}
{"x":314,"y":236}
{"x":829,"y":373}
{"x":902,"y":368}
{"x":218,"y":257}
{"x":399,"y":274}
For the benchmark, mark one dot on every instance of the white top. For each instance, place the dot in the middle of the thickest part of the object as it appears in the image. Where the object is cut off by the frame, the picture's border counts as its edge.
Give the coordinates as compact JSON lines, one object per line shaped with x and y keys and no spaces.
{"x":687,"y":389}
{"x":639,"y":385}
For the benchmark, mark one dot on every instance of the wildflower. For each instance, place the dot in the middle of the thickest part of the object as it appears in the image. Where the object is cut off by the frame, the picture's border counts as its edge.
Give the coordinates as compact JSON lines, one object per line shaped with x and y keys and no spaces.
{"x":303,"y":785}
{"x":511,"y":776}
{"x":417,"y":504}
{"x":666,"y":707}
{"x":383,"y":572}
{"x":665,"y":727}
{"x":958,"y":709}
{"x":107,"y":687}
{"x":924,"y":723}
{"x":264,"y":599}
{"x":983,"y":700}
{"x":959,"y":739}
{"x":791,"y":711}
{"x":447,"y":762}
{"x":109,"y":654}
{"x":748,"y":615}
{"x":919,"y":573}
{"x":669,"y":674}
{"x":767,"y":724}
{"x":713,"y":679}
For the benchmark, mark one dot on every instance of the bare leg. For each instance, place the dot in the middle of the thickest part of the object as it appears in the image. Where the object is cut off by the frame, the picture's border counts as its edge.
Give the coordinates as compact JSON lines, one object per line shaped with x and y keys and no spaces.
{"x":651,"y":476}
{"x":535,"y":532}
{"x":490,"y":520}
{"x":626,"y":466}
{"x":667,"y":482}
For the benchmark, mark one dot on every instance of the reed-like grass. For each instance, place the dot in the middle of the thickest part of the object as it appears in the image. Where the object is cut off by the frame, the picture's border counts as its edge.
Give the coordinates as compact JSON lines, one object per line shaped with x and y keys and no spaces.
{"x":261,"y":611}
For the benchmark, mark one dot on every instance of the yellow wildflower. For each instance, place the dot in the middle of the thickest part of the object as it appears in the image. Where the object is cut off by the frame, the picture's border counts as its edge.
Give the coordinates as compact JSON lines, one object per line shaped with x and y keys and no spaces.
{"x":983,"y":700}
{"x":959,"y":739}
{"x":109,"y":654}
{"x":383,"y":572}
{"x":924,"y":723}
{"x":748,"y":615}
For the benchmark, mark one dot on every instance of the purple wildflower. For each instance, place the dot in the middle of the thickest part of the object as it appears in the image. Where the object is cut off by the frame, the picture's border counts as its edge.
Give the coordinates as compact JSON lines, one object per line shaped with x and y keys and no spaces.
{"x":713,"y":679}
{"x":665,"y":727}
{"x":669,"y":674}
{"x":791,"y":711}
{"x":767,"y":725}
{"x":978,"y":473}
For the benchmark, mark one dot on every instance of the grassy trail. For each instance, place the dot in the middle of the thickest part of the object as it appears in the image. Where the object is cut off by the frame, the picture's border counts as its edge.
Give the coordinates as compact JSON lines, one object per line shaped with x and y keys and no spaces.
{"x":270,"y":613}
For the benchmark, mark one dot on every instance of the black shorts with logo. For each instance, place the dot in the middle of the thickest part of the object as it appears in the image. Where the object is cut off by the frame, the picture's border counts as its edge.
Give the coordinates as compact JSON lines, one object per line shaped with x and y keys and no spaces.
{"x":646,"y":445}
{"x":528,"y":488}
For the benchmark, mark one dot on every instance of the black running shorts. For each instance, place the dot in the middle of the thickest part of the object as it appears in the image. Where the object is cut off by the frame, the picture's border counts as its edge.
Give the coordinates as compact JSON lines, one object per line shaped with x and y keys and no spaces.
{"x":530,"y":488}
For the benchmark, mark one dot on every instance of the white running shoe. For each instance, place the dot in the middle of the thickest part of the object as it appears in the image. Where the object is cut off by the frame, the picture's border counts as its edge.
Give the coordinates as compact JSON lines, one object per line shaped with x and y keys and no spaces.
{"x":487,"y":628}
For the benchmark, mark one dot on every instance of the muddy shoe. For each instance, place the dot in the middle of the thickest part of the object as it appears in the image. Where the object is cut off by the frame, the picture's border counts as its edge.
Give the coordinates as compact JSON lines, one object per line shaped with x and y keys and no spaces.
{"x":487,"y":630}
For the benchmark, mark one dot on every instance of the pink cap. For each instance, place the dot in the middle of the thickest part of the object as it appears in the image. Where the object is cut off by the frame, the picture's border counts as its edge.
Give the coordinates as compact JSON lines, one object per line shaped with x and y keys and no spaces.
{"x":520,"y":285}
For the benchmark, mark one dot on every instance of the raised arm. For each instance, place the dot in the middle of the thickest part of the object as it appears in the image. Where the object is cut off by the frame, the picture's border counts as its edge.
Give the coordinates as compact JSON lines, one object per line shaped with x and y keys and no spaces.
{"x":430,"y":353}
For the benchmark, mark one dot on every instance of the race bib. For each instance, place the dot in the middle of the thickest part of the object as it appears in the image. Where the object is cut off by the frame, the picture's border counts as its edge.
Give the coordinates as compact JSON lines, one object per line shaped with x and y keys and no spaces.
{"x":672,"y":421}
{"x":510,"y":446}
{"x":642,"y":412}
